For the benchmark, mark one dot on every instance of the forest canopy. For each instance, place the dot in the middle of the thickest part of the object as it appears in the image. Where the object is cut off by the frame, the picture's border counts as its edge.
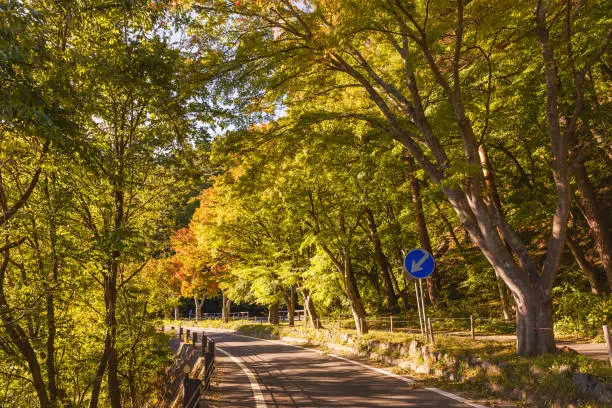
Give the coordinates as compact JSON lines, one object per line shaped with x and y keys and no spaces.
{"x":289,"y":154}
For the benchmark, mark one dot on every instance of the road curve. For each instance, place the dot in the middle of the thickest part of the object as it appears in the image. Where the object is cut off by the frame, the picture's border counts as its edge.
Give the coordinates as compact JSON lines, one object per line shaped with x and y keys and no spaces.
{"x":258,"y":373}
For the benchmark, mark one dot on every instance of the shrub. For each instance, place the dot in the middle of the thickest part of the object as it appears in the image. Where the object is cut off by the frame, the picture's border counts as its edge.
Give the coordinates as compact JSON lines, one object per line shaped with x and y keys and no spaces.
{"x":580,"y":312}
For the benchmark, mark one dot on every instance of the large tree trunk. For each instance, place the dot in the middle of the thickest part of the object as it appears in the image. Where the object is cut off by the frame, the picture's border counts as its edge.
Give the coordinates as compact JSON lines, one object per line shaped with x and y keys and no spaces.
{"x":534,"y":326}
{"x":597,"y":223}
{"x":225,"y":309}
{"x":589,"y":271}
{"x":433,"y":281}
{"x":489,"y":178}
{"x":352,"y":292}
{"x":382,"y":262}
{"x":198,"y":307}
{"x":273,"y":314}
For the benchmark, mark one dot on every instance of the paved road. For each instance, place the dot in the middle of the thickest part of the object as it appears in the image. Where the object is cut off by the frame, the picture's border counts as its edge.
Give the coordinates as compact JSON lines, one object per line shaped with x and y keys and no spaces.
{"x":598,"y":351}
{"x":259,"y":373}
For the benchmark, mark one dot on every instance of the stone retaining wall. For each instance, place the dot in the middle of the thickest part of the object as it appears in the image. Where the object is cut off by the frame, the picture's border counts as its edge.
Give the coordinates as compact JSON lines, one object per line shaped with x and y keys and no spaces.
{"x":172,"y":392}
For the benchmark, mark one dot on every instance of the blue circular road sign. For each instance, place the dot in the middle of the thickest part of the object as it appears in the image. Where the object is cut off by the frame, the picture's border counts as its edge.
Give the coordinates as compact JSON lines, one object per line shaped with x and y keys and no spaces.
{"x":419,"y":263}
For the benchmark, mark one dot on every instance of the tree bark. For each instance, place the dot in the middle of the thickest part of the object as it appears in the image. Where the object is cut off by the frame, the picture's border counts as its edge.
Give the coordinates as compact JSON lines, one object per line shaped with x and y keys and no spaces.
{"x":534,"y":326}
{"x":109,"y":359}
{"x":382,"y":262}
{"x":597,"y":223}
{"x":397,"y":253}
{"x":113,"y":363}
{"x":309,"y":309}
{"x":97,"y":382}
{"x":131,"y":380}
{"x":51,"y":328}
{"x":198,"y":307}
{"x":433,"y":281}
{"x":489,"y":178}
{"x":20,"y":339}
{"x":273,"y":314}
{"x":290,"y":299}
{"x":355,"y":301}
{"x":176,"y":312}
{"x":589,"y":271}
{"x":52,"y":331}
{"x":225,"y":309}
{"x":109,"y":352}
{"x":50,"y":295}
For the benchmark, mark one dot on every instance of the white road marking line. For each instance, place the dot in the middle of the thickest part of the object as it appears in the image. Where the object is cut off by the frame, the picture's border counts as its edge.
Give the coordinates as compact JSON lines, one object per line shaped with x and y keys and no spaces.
{"x":454,"y":397}
{"x":378,"y":370}
{"x":260,"y":402}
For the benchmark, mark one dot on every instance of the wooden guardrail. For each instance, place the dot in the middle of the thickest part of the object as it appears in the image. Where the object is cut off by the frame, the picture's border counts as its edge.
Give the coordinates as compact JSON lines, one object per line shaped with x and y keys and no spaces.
{"x":193,"y":388}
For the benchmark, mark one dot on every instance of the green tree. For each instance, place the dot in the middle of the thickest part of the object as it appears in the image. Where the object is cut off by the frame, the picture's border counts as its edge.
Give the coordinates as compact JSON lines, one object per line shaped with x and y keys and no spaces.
{"x":413,"y":65}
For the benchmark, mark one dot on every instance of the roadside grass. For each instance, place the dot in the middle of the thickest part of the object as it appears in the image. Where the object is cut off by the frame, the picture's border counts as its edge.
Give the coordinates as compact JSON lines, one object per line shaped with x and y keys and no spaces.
{"x":264,"y":331}
{"x":542,"y":381}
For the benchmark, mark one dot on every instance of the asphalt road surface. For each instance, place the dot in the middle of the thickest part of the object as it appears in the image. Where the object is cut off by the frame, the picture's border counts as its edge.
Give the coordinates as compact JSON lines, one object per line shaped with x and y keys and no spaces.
{"x":262,"y":373}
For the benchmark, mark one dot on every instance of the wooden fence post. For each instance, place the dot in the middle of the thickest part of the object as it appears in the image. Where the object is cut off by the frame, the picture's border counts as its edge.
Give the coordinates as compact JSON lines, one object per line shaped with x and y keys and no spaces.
{"x":472,"y":326}
{"x":608,"y":341}
{"x":209,"y":361}
{"x":204,"y":343}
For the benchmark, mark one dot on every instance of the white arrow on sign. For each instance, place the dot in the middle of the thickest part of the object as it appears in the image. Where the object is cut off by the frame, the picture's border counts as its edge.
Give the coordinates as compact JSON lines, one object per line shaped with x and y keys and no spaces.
{"x":416,"y":266}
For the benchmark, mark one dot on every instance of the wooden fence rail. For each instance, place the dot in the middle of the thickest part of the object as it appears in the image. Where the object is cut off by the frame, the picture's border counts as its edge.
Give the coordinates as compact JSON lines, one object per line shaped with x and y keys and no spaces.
{"x":194,"y":388}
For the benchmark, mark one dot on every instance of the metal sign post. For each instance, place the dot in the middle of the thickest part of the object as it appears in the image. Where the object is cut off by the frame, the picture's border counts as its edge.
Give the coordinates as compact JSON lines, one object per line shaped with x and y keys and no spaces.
{"x":418,"y":300}
{"x":424,"y":313}
{"x":419,"y":264}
